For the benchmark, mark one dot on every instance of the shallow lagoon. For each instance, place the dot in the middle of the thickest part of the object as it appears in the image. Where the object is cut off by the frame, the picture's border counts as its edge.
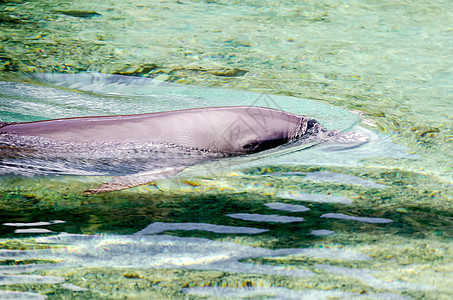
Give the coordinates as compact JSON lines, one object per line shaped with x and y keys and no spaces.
{"x":380,"y":216}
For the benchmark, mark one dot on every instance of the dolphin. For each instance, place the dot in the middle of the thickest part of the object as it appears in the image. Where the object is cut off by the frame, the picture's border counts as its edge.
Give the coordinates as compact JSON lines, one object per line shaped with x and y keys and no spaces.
{"x":142,"y":148}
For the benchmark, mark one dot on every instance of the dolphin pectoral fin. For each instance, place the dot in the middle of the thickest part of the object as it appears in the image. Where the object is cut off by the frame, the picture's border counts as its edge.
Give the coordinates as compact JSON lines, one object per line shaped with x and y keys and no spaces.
{"x":125,"y":182}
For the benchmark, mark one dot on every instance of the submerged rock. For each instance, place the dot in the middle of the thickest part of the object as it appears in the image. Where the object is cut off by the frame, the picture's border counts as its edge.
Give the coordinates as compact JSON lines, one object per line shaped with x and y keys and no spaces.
{"x":137,"y":71}
{"x":79,"y":13}
{"x":227,"y":72}
{"x":426,"y":131}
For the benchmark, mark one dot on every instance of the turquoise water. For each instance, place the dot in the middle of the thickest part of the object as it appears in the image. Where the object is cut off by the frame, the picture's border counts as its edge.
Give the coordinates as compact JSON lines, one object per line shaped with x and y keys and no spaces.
{"x":369,"y":221}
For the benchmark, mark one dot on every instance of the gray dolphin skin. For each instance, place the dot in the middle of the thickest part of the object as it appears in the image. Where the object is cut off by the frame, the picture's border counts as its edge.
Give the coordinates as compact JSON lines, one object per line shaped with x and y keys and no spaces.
{"x":151,"y":146}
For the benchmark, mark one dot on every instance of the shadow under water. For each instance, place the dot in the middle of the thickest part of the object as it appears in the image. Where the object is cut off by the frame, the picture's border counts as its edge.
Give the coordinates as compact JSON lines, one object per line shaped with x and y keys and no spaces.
{"x":320,"y":222}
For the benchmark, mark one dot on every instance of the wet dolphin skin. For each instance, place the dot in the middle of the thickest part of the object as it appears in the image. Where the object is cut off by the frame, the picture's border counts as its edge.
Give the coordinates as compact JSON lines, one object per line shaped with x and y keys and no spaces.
{"x":167,"y":142}
{"x":238,"y":129}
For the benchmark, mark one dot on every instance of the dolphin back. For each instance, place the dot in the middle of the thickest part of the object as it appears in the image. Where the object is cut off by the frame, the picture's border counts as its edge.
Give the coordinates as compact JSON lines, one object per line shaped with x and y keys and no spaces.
{"x":238,"y":130}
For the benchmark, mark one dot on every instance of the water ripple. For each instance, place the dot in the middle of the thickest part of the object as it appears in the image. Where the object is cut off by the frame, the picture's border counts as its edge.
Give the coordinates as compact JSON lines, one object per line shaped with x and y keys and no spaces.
{"x":287,"y":207}
{"x":158,"y":227}
{"x":359,"y":219}
{"x":265,"y":218}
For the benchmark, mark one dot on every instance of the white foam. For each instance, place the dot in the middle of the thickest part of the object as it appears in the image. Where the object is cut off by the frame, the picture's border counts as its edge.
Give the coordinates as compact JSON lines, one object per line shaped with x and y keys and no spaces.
{"x":359,"y":219}
{"x":158,"y":227}
{"x":22,"y":279}
{"x":33,"y":230}
{"x":323,"y":176}
{"x":274,"y":292}
{"x":367,"y":277}
{"x":283,"y":293}
{"x":58,"y":221}
{"x":265,"y":218}
{"x":73,"y":287}
{"x":163,"y":251}
{"x":27,"y":268}
{"x":238,"y":267}
{"x":324,"y":253}
{"x":34,"y":223}
{"x":20,"y":295}
{"x":322,"y":232}
{"x":154,"y":251}
{"x":27,"y":224}
{"x":287,"y":207}
{"x":320,"y":198}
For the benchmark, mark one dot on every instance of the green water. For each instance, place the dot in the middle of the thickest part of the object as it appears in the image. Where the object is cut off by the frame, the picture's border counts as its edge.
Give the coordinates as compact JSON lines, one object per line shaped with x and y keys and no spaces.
{"x":388,"y":62}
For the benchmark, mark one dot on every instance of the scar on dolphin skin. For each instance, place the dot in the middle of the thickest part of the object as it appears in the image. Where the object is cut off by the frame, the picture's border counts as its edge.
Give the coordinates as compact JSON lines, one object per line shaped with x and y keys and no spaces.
{"x":182,"y":138}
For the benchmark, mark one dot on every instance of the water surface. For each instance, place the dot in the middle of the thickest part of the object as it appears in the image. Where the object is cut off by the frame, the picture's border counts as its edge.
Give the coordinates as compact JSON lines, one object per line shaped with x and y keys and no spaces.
{"x":372,"y":221}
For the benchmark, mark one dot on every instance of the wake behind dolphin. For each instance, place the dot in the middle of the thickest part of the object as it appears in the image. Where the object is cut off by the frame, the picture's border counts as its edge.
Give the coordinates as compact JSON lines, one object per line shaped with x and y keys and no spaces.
{"x":150,"y":146}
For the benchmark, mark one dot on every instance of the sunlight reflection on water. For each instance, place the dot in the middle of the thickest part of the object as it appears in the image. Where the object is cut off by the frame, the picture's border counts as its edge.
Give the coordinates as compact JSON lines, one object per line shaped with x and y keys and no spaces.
{"x":144,"y":250}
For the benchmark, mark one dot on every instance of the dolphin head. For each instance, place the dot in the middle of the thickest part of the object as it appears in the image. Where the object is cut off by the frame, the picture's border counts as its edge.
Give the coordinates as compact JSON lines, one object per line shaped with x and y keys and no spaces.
{"x":300,"y":129}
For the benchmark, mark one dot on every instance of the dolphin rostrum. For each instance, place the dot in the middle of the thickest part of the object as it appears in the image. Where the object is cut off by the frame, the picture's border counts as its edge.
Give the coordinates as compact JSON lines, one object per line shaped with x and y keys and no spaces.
{"x":151,"y":146}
